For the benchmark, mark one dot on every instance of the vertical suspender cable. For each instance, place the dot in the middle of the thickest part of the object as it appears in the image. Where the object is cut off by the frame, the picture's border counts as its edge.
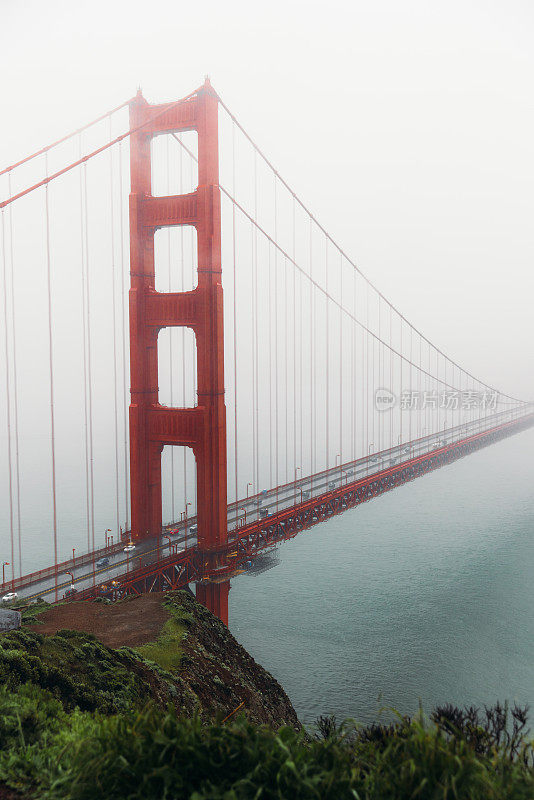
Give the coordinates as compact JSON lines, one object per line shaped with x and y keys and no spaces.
{"x":51,"y":369}
{"x":125,"y":388}
{"x":8,"y":404}
{"x":367,"y":377}
{"x":327,"y":413}
{"x":286,"y":390}
{"x":194,"y":278}
{"x":401,"y":380}
{"x":253,"y":332}
{"x":84,"y":339}
{"x":235,"y":323}
{"x":270,"y":326}
{"x":276,"y":441}
{"x":15,"y":381}
{"x":341,"y":362}
{"x":114,"y":323}
{"x":256,"y":343}
{"x":410,"y":436}
{"x":89,"y":366}
{"x":390,"y":373}
{"x":312,"y":377}
{"x":301,"y":399}
{"x":294,"y":354}
{"x":380,"y":366}
{"x":182,"y":274}
{"x":354,"y":373}
{"x":171,"y":330}
{"x":362,"y":381}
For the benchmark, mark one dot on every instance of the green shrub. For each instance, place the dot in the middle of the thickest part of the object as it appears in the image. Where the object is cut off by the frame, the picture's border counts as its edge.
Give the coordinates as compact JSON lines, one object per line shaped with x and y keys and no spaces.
{"x":155,"y":755}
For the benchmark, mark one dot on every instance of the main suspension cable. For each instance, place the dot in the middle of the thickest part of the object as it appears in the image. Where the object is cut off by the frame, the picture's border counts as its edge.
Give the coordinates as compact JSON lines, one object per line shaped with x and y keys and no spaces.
{"x":49,"y":147}
{"x":334,"y":243}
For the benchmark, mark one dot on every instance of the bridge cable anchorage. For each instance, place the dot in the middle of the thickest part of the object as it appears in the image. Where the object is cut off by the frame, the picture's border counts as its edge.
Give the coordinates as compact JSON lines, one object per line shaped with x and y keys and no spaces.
{"x":323,"y":230}
{"x":49,"y":147}
{"x":8,"y":406}
{"x":51,"y":371}
{"x":15,"y":382}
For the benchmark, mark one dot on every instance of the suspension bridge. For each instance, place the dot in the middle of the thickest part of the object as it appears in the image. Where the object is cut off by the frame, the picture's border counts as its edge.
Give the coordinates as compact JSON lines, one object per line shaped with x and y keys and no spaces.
{"x":173,"y":443}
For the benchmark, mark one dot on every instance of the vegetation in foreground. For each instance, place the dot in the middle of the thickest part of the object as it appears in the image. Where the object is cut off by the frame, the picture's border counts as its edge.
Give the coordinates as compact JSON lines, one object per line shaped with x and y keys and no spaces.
{"x":80,"y":720}
{"x":49,"y":752}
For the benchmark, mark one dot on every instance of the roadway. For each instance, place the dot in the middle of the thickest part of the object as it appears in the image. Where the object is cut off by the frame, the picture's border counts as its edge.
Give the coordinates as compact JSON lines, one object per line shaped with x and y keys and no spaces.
{"x":179,"y":536}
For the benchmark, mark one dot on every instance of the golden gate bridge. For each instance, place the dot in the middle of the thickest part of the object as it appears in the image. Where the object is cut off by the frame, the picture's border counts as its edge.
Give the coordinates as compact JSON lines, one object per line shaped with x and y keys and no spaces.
{"x":254,"y":414}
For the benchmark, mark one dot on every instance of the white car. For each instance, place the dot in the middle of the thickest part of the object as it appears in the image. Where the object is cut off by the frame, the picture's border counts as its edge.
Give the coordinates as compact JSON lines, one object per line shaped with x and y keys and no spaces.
{"x":129,"y":548}
{"x":7,"y":598}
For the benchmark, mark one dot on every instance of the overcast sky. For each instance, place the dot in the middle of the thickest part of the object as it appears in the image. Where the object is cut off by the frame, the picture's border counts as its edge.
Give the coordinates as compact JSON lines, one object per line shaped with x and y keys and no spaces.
{"x":408,"y":128}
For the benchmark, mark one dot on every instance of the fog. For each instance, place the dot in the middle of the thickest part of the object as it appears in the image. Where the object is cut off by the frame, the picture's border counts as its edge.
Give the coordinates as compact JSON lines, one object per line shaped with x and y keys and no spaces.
{"x":407,"y":130}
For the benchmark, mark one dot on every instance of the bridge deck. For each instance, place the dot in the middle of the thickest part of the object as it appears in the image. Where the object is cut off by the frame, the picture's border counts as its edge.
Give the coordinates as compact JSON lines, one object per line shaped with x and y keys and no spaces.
{"x":260,"y":521}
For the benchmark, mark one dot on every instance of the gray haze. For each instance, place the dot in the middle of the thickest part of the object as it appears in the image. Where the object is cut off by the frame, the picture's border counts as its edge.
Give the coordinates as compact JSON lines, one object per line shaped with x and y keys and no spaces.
{"x":407,"y":128}
{"x":408,"y":133}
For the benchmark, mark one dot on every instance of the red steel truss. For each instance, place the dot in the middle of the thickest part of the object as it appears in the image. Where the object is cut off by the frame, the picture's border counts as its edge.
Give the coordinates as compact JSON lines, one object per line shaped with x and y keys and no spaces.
{"x":178,"y":570}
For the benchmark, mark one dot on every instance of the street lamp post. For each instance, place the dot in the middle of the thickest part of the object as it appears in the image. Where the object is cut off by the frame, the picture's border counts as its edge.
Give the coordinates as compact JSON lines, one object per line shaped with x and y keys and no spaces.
{"x":4,"y":565}
{"x":371,"y":444}
{"x":296,"y":470}
{"x":170,"y":542}
{"x":73,"y":559}
{"x":249,"y":484}
{"x":71,"y":579}
{"x":108,"y":530}
{"x":185,"y":514}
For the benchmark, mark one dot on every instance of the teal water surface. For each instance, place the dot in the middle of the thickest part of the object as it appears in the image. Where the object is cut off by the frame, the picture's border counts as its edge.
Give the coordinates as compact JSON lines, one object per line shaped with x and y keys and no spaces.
{"x":424,"y":594}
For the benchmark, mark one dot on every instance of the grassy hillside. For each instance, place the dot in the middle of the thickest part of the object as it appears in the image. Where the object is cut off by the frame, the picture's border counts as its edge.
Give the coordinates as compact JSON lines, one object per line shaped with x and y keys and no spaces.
{"x":155,"y":720}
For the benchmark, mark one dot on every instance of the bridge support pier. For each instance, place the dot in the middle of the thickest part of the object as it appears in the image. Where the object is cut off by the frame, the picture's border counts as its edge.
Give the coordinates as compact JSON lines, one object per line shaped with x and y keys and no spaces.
{"x":215,"y":597}
{"x":203,"y":427}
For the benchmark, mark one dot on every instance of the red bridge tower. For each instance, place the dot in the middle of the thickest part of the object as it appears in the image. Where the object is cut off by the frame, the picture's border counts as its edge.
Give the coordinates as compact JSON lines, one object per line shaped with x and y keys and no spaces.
{"x":152,"y":426}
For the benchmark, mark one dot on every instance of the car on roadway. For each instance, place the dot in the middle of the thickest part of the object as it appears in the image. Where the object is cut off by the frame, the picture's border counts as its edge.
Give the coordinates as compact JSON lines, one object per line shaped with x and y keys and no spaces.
{"x":129,"y":547}
{"x":9,"y":597}
{"x":193,"y":529}
{"x":102,"y":562}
